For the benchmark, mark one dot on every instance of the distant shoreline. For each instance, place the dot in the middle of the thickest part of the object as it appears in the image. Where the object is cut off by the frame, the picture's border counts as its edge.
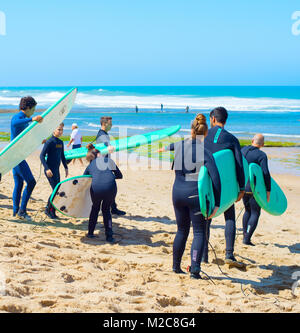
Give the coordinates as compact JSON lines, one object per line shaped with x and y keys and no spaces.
{"x":7,"y":111}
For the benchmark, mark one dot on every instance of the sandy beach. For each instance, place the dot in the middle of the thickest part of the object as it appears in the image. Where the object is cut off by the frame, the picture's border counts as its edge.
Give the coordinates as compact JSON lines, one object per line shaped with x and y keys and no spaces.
{"x":49,"y":266}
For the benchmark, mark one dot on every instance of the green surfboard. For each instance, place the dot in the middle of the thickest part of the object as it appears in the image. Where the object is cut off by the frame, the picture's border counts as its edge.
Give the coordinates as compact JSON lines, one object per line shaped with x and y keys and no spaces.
{"x":126,"y":143}
{"x":278,"y":201}
{"x":229,"y":186}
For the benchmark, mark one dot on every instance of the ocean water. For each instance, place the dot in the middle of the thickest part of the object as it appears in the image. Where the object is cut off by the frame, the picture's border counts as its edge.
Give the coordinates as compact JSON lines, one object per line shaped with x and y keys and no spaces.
{"x":273,"y":111}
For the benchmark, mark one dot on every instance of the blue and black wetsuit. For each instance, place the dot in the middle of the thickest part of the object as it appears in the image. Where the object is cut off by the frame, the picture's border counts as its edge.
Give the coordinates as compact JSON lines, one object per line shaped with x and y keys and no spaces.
{"x":218,"y":139}
{"x":104,"y":172}
{"x":252,"y":209}
{"x":54,"y":151}
{"x":189,"y":156}
{"x":22,"y":171}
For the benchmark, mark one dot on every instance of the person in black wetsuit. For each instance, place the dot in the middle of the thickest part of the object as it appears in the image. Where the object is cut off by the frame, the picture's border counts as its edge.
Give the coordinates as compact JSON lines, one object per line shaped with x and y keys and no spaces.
{"x":54,"y":151}
{"x":103,"y":137}
{"x":103,"y":191}
{"x":253,"y":154}
{"x":218,"y":139}
{"x":189,"y":157}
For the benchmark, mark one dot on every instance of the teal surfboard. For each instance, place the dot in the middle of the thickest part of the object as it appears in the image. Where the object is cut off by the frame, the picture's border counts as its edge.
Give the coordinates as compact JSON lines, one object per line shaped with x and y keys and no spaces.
{"x":229,"y":186}
{"x":31,"y":138}
{"x":72,"y":198}
{"x":278,"y":201}
{"x":126,"y":143}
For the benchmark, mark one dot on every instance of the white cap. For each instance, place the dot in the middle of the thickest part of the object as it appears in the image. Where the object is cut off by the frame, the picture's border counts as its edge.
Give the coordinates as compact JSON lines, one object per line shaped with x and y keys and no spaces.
{"x":74,"y":125}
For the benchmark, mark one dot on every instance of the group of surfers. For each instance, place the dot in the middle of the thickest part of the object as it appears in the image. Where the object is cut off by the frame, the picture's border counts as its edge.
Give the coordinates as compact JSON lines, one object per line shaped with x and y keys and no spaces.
{"x":189,"y":156}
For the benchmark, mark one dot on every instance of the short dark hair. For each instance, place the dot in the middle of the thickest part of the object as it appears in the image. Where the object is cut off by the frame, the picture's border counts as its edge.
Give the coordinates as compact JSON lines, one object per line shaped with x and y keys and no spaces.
{"x":27,"y":103}
{"x":220,"y":114}
{"x":105,"y":120}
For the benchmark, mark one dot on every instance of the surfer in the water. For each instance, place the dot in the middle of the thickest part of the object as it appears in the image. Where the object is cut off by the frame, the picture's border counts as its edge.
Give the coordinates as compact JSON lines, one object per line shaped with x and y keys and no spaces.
{"x":103,"y":191}
{"x":189,"y":156}
{"x":253,"y":154}
{"x":22,"y":171}
{"x":103,"y":137}
{"x":54,"y":151}
{"x":218,"y":139}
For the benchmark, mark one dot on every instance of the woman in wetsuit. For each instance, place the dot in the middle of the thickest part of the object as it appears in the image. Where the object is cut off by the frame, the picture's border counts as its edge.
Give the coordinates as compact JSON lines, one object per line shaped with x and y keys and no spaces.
{"x":104,"y":172}
{"x":189,"y":157}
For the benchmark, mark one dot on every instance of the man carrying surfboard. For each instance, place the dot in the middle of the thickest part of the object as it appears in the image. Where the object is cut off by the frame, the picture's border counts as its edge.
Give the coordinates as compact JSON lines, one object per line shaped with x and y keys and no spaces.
{"x":103,"y":137}
{"x":253,"y":154}
{"x":218,"y":139}
{"x":22,"y":171}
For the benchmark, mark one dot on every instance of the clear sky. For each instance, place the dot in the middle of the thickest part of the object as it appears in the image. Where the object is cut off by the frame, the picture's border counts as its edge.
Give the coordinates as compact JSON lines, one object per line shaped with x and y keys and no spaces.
{"x":149,"y":42}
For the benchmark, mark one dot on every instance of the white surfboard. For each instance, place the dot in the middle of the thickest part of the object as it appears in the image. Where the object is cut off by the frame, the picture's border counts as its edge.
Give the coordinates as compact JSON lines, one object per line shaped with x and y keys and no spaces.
{"x":31,"y":138}
{"x":72,"y":197}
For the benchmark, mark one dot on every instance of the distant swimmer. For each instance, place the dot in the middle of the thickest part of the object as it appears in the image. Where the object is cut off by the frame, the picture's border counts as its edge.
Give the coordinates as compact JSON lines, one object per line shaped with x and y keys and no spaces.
{"x":189,"y":156}
{"x":75,"y":140}
{"x":51,"y":157}
{"x":187,"y":109}
{"x":161,"y":107}
{"x":136,"y":109}
{"x":22,"y":171}
{"x":253,"y":154}
{"x":218,"y":139}
{"x":103,"y":191}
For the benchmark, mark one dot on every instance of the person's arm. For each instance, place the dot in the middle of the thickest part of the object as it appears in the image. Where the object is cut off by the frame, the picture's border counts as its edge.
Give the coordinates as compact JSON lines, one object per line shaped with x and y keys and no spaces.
{"x":18,"y":122}
{"x":212,"y":169}
{"x":171,"y":147}
{"x":239,"y":168}
{"x":64,"y":161}
{"x":263,"y":162}
{"x":115,"y":170}
{"x":43,"y":155}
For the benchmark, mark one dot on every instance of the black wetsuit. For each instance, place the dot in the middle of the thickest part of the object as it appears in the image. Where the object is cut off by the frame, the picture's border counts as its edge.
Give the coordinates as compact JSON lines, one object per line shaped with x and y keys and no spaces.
{"x":190,"y":155}
{"x":54,"y":150}
{"x":103,"y":137}
{"x":252,"y":209}
{"x":218,"y":139}
{"x":103,"y":191}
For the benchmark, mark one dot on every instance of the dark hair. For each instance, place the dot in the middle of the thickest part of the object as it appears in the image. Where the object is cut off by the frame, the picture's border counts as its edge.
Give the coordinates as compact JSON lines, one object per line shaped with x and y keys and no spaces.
{"x":92,"y":152}
{"x":220,"y":114}
{"x":27,"y":103}
{"x":105,"y":120}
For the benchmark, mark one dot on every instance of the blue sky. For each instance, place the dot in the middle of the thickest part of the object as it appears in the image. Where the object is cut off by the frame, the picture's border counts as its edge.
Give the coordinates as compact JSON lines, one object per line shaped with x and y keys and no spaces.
{"x":155,"y":42}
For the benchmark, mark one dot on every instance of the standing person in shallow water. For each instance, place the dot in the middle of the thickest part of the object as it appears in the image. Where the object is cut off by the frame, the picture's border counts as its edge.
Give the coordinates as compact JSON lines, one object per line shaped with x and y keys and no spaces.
{"x":189,"y":156}
{"x":22,"y":171}
{"x":218,"y":139}
{"x":104,"y":173}
{"x":253,"y":154}
{"x":54,"y":151}
{"x":103,"y":137}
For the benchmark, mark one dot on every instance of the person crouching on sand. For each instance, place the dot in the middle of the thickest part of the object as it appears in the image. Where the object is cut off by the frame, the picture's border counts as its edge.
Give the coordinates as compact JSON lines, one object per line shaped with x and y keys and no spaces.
{"x":103,"y":190}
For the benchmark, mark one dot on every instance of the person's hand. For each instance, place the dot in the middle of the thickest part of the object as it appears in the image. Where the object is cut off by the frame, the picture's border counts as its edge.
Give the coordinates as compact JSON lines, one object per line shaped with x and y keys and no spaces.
{"x":67,"y":172}
{"x":38,"y":119}
{"x":68,"y":145}
{"x":268,"y":196}
{"x":44,"y":141}
{"x":111,"y":149}
{"x":49,"y":173}
{"x":240,"y":196}
{"x":161,"y":150}
{"x":214,"y":212}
